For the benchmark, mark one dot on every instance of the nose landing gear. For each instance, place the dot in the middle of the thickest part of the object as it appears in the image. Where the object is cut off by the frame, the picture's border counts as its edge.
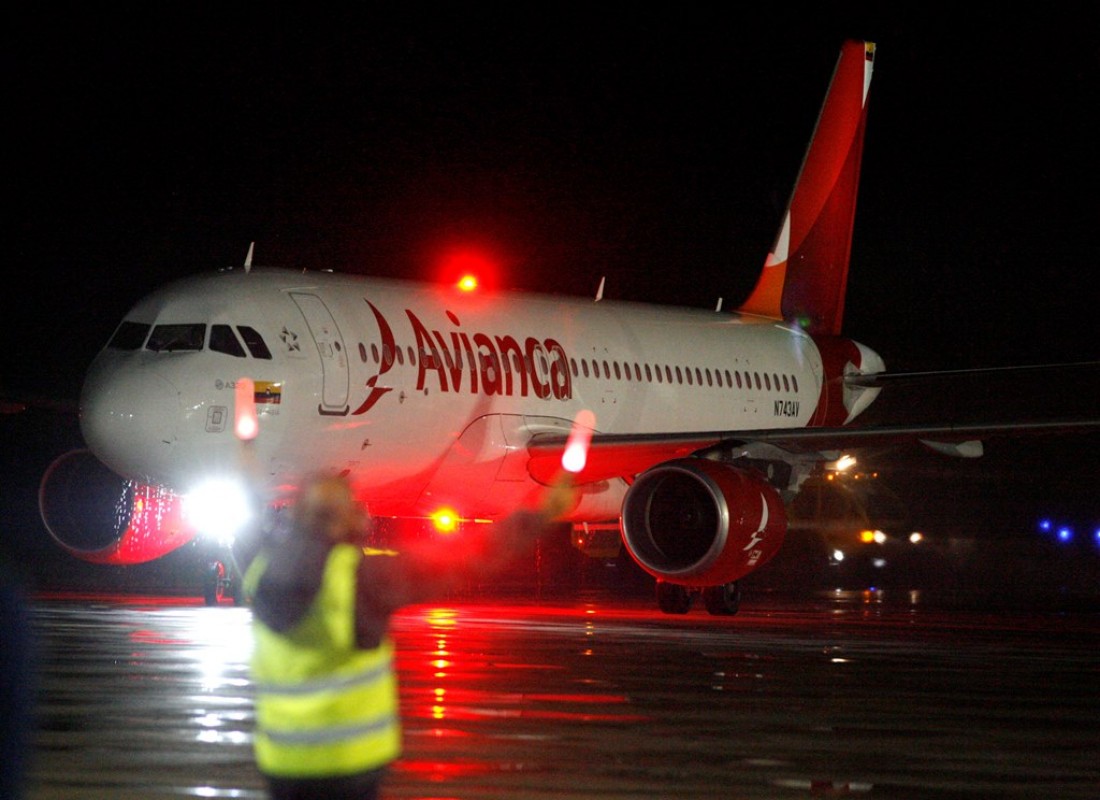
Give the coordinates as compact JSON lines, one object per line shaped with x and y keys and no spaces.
{"x":220,"y":583}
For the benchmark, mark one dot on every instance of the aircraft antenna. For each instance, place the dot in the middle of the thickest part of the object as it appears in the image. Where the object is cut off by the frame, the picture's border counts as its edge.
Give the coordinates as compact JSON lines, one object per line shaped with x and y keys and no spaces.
{"x":599,"y":291}
{"x":248,"y":258}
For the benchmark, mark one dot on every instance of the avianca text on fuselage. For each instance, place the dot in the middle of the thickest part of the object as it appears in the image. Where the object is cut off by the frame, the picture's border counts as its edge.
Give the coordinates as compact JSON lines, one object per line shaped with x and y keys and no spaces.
{"x":459,"y":361}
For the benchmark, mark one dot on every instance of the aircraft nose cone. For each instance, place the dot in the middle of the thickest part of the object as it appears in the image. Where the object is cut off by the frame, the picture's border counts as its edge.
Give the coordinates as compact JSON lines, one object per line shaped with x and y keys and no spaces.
{"x":128,"y":415}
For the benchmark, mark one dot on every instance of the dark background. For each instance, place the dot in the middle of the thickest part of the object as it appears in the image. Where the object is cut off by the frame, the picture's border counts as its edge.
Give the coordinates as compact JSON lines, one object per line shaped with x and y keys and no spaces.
{"x":654,"y":147}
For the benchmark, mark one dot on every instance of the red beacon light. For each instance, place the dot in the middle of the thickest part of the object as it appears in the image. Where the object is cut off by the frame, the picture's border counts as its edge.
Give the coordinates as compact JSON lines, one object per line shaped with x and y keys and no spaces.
{"x":467,"y":270}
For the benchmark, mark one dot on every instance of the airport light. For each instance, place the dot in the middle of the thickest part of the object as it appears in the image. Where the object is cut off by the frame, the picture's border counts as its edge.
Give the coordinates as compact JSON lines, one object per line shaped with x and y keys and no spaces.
{"x":916,"y":537}
{"x":1065,"y":534}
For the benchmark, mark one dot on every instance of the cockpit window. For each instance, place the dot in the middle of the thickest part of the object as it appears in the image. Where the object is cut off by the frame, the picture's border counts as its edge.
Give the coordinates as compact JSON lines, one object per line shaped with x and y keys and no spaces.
{"x":254,"y":342}
{"x":129,"y":336}
{"x":223,"y":340}
{"x":176,"y":337}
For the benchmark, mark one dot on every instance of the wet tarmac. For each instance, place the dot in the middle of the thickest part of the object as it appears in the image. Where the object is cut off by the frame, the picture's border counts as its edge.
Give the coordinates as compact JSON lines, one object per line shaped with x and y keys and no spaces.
{"x":846,"y":694}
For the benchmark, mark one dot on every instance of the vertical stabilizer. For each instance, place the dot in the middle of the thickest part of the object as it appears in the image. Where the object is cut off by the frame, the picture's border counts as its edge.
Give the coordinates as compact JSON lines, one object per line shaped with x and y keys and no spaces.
{"x":806,"y":273}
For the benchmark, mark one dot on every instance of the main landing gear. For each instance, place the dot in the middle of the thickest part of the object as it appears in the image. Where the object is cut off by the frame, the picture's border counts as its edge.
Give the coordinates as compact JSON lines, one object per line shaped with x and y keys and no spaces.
{"x":722,"y":600}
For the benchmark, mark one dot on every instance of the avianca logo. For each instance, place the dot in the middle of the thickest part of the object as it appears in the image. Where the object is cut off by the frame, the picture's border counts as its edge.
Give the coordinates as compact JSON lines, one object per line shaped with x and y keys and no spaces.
{"x":457,"y":361}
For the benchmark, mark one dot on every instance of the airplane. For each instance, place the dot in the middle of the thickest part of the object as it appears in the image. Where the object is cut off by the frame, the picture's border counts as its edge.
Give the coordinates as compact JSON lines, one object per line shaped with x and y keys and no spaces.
{"x":447,"y":399}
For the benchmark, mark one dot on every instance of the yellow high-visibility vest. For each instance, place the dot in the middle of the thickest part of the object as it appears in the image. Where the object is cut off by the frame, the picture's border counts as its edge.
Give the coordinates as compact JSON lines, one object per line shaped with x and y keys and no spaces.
{"x":323,"y":706}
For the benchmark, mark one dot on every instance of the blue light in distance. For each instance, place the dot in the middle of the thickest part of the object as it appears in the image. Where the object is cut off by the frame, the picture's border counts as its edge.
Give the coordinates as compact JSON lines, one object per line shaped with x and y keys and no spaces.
{"x":1065,"y":534}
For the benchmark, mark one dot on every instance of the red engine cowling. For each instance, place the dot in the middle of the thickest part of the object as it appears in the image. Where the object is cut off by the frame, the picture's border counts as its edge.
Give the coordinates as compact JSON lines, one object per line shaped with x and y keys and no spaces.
{"x":702,"y":523}
{"x":99,"y":517}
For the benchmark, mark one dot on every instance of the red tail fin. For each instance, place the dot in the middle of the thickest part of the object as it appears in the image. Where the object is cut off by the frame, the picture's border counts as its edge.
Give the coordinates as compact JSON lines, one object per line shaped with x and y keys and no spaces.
{"x":806,"y":273}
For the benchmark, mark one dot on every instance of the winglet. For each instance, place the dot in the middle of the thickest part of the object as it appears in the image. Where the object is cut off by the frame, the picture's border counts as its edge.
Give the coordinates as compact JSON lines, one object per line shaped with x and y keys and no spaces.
{"x":806,"y":272}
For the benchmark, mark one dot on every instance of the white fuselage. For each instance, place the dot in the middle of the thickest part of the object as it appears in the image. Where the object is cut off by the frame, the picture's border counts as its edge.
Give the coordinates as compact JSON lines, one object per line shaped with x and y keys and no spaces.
{"x":424,"y":394}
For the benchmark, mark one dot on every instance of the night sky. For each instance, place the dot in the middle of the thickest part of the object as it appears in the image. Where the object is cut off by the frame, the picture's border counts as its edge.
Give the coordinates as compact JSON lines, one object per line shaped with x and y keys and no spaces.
{"x":654,"y":147}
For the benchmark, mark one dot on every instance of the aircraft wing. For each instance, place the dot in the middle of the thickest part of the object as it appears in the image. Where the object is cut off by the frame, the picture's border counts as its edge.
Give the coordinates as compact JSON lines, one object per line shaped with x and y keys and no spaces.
{"x":626,"y":455}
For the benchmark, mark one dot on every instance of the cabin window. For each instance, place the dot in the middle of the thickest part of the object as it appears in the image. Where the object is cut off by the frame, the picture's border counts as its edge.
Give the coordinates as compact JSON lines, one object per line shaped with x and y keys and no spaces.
{"x":223,"y":340}
{"x":794,"y":382}
{"x":648,"y":374}
{"x":129,"y":336}
{"x":573,"y":367}
{"x":786,"y":385}
{"x":412,"y":356}
{"x":172,"y":338}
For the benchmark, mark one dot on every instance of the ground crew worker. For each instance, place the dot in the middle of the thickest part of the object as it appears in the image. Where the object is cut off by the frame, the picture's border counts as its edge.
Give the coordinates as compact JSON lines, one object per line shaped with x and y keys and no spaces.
{"x":326,"y":693}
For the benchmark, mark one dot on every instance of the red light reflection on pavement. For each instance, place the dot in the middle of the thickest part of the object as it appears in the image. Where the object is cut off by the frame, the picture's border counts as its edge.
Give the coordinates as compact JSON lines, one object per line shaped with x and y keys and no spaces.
{"x":480,"y":683}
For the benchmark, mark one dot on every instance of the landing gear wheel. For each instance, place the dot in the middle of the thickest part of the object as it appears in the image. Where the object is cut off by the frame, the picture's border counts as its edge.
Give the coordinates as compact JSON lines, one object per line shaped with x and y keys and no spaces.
{"x":672,"y":598}
{"x":724,"y":600}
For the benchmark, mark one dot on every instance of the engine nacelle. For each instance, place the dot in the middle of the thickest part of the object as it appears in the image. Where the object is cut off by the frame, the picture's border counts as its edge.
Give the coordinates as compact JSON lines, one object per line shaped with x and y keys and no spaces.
{"x":702,"y":523}
{"x":99,"y":517}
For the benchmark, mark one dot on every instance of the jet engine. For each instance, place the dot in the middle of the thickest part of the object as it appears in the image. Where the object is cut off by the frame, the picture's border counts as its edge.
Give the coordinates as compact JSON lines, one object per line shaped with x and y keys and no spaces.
{"x":100,"y":517}
{"x":696,"y":522}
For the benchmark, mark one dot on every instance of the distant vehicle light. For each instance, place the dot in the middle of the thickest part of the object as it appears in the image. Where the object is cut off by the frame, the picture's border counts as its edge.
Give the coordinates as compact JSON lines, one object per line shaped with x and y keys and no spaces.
{"x":838,"y":555}
{"x":845,"y":462}
{"x":866,"y":536}
{"x":219,"y":509}
{"x":916,"y":538}
{"x":879,"y":537}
